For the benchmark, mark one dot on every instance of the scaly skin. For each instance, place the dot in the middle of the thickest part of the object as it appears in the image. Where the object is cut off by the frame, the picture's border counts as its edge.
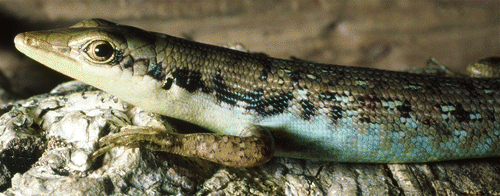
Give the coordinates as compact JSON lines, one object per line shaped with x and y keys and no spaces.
{"x":308,"y":110}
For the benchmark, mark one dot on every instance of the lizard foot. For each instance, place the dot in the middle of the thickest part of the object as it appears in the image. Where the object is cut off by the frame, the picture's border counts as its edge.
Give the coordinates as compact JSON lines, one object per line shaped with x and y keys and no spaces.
{"x":253,"y":147}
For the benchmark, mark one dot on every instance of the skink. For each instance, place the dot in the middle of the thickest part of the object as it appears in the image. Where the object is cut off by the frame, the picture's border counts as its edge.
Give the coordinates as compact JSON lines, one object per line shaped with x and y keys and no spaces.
{"x":257,"y":106}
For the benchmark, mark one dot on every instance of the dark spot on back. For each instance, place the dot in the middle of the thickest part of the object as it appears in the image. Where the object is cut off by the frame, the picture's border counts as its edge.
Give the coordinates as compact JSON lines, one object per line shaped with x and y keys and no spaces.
{"x":364,"y":119}
{"x":308,"y":109}
{"x":266,"y":68}
{"x":460,"y":114}
{"x":405,"y":109}
{"x":168,"y":83}
{"x":336,"y":112}
{"x":295,"y":76}
{"x":328,"y":96}
{"x":189,"y":80}
{"x":278,"y":104}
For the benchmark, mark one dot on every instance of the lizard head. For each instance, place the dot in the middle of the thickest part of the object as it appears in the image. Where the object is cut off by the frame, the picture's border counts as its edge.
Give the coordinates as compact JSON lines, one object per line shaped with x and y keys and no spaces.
{"x":119,"y":59}
{"x":91,"y":50}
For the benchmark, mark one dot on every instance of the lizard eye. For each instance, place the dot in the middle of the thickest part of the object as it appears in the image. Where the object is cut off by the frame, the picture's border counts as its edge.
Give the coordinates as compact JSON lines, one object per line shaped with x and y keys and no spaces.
{"x":100,"y":51}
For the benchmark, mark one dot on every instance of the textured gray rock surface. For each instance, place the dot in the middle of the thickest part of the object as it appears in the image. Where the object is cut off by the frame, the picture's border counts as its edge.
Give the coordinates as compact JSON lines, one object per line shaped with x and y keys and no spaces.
{"x":46,"y":142}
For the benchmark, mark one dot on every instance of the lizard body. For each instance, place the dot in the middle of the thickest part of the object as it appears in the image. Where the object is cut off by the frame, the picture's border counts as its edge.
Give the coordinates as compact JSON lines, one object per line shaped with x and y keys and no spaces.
{"x":257,"y":105}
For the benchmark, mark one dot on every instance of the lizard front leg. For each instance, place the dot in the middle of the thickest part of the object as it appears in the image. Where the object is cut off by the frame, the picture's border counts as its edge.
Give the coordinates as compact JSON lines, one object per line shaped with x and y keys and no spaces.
{"x":253,"y":147}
